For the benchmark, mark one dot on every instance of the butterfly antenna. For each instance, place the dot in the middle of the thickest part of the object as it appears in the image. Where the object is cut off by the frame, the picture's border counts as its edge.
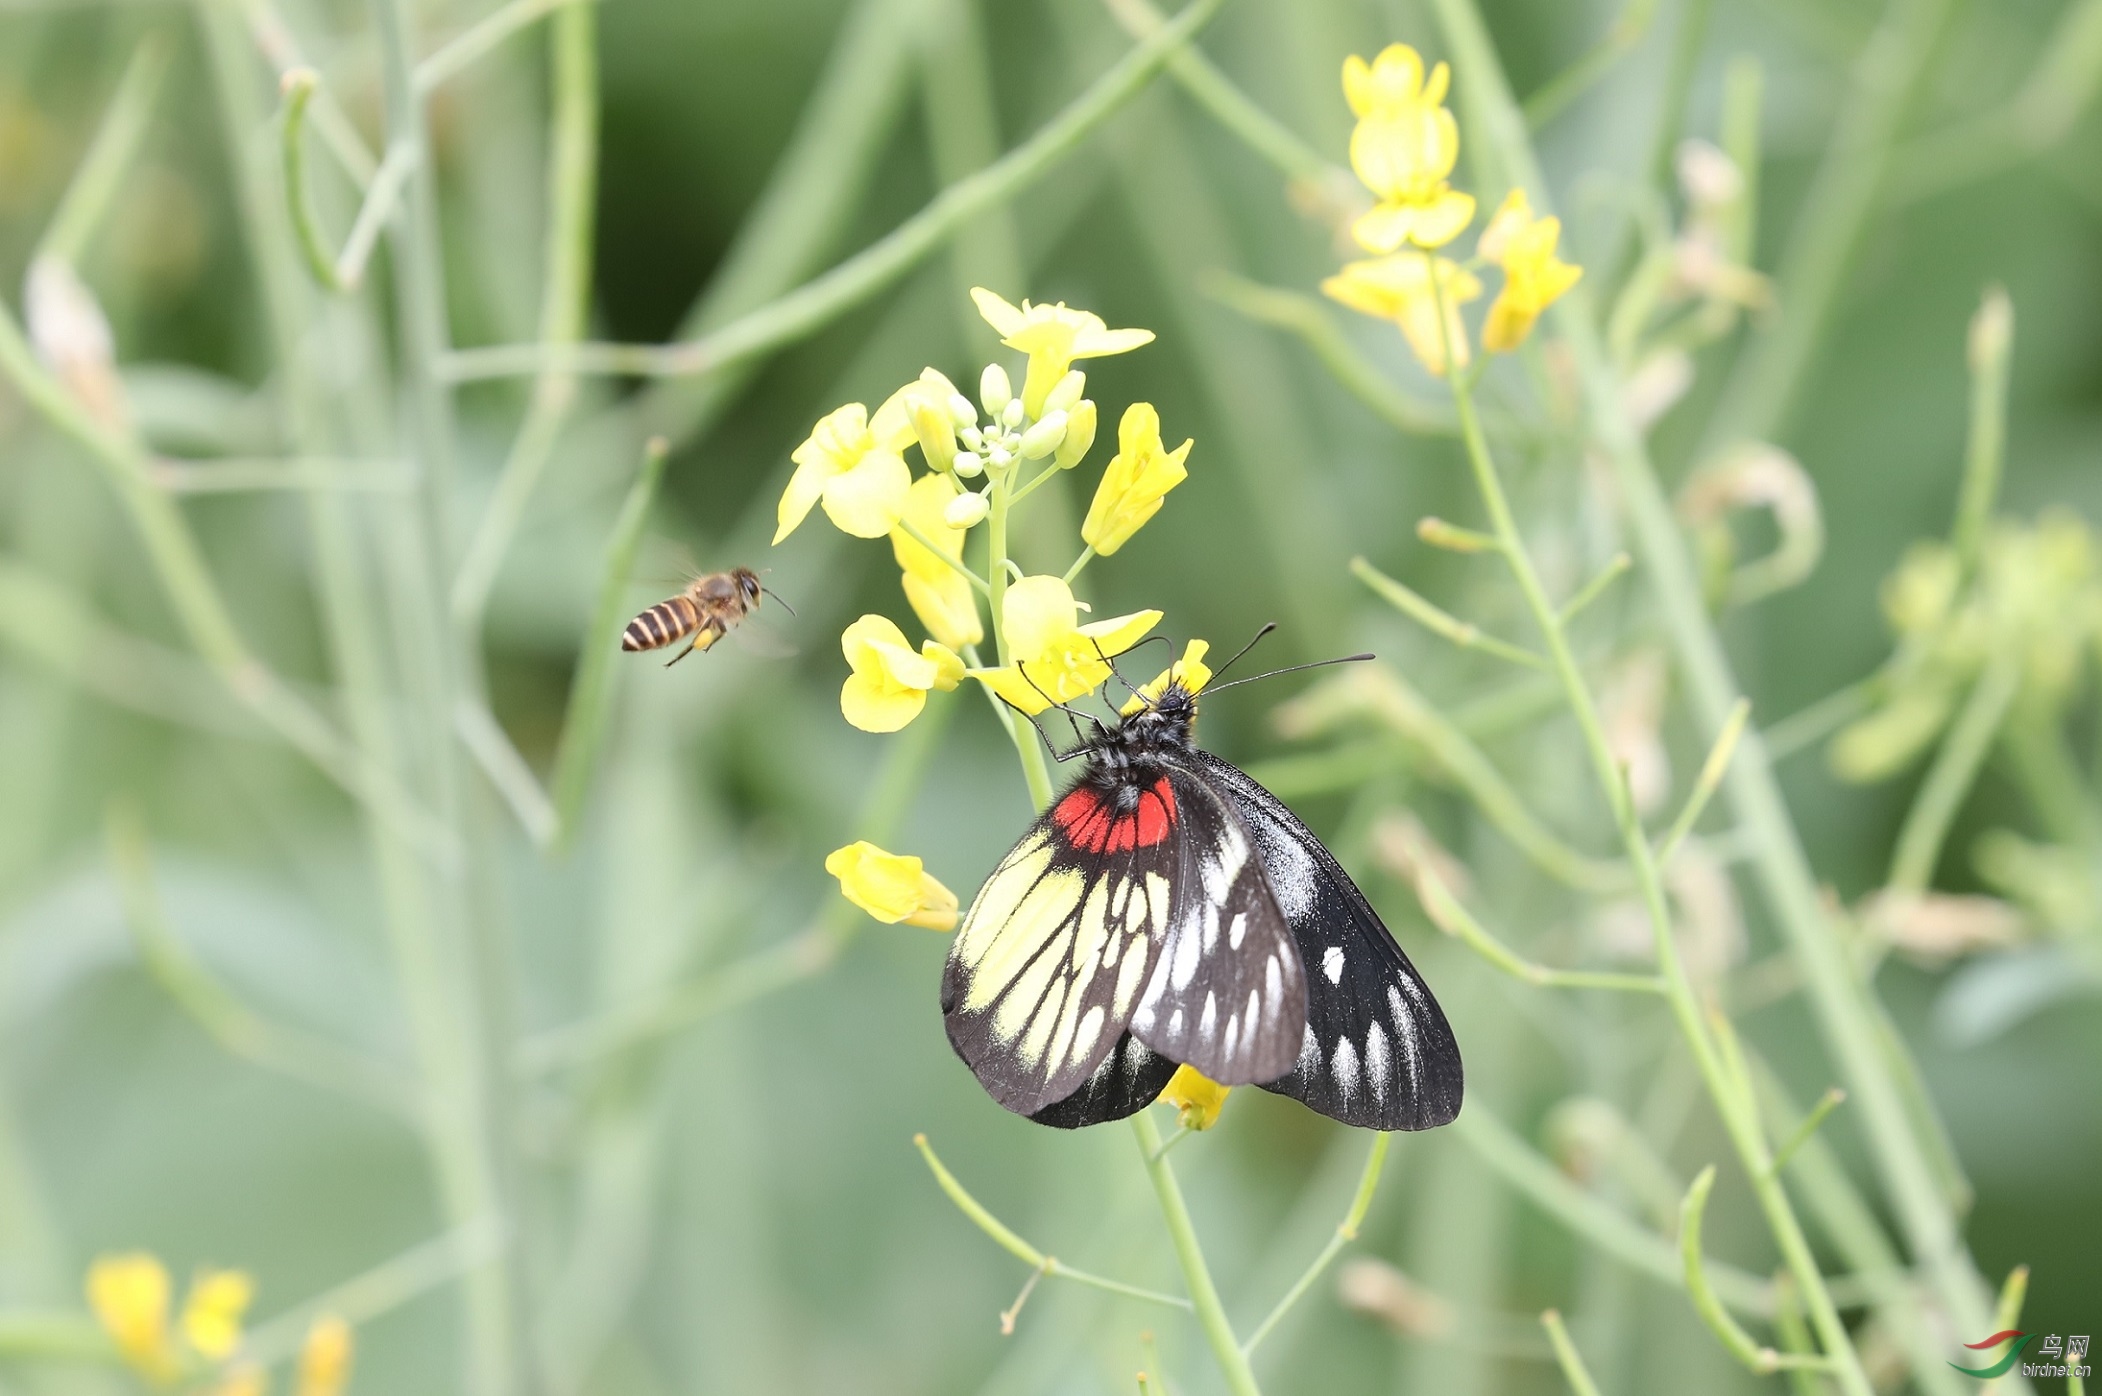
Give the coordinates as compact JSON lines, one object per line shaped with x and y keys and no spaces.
{"x":1210,"y":689}
{"x":1071,"y":713}
{"x":1265,"y":629}
{"x":1117,"y":673}
{"x":777,"y":596}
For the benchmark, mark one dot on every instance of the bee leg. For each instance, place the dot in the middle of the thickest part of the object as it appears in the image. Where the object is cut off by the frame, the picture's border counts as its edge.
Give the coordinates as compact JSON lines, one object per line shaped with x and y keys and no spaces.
{"x":682,"y":653}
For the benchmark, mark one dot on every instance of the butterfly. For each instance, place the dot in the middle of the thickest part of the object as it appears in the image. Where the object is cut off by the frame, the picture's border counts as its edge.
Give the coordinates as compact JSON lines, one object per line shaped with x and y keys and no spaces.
{"x":1167,"y":909}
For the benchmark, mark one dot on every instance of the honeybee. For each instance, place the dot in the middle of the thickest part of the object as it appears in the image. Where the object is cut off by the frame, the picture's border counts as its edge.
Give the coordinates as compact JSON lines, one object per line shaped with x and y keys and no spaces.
{"x":708,"y":609}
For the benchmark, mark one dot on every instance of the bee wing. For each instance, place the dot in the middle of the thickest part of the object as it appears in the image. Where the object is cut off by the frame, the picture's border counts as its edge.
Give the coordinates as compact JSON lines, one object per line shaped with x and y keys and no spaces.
{"x":762,"y":641}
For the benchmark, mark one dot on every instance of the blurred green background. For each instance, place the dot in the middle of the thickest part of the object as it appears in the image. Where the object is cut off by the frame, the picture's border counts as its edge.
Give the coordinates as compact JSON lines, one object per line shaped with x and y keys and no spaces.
{"x":734,"y":1205}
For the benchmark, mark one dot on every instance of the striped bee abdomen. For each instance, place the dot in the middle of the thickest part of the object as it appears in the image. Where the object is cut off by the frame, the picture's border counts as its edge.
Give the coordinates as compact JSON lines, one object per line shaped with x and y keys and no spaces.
{"x":661,"y":625}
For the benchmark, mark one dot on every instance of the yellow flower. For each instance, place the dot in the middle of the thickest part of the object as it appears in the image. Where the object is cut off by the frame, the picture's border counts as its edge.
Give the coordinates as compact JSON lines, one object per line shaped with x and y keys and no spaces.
{"x":939,"y":595}
{"x":889,"y":684}
{"x":1190,"y":670}
{"x":851,"y":462}
{"x":892,"y":887}
{"x":247,"y":1379}
{"x":325,"y":1358}
{"x":1052,"y":659}
{"x":1197,"y":1097}
{"x":130,"y":1296}
{"x":1404,"y":148}
{"x":1137,"y":478}
{"x":1053,"y":336}
{"x":1399,"y":288}
{"x":1534,"y":278}
{"x":211,"y":1314}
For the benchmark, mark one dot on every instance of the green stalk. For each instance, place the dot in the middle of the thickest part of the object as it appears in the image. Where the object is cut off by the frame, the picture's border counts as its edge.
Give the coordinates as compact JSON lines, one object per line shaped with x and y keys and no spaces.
{"x":1035,"y":771}
{"x":1990,"y":351}
{"x":1732,"y":1103}
{"x":1843,"y":196}
{"x":1204,"y":1295}
{"x":1346,"y":1231}
{"x":101,"y":172}
{"x":818,"y":301}
{"x":1778,"y":856}
{"x":1955,"y":769}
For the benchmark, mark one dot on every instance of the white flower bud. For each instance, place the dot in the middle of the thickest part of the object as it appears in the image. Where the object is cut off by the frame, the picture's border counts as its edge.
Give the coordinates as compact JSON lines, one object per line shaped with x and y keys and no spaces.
{"x":1079,"y":434}
{"x":994,"y":390}
{"x":969,"y":465}
{"x":966,"y":510}
{"x":999,"y":458}
{"x":973,"y":438}
{"x":1011,"y":415}
{"x":960,"y":408}
{"x":1065,"y":392}
{"x":1043,"y":438}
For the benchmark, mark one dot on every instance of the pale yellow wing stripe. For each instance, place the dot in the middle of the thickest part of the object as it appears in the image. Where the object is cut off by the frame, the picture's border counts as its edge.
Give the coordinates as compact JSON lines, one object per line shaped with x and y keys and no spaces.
{"x":1033,"y":945}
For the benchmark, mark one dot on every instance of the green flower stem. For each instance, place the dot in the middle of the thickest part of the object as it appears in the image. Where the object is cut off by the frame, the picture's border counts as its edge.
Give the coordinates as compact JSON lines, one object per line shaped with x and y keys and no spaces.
{"x":957,"y":564}
{"x":1304,"y":316}
{"x":818,"y":301}
{"x":1087,"y":555}
{"x":1383,"y":695}
{"x":1741,"y":1344}
{"x":1949,"y":779}
{"x":1231,"y":108}
{"x":29,"y":1335}
{"x":1204,"y":1295}
{"x":1035,"y":771}
{"x":611,"y":1035}
{"x":1808,"y":726}
{"x":1778,"y":857}
{"x":95,"y":182}
{"x":1618,"y":564}
{"x":179,"y":563}
{"x":1831,"y":1100}
{"x":470,"y":45}
{"x":1712,"y":771}
{"x":231,"y":1023}
{"x":1439,"y":622}
{"x":1014,"y":1245}
{"x":380,"y":1290}
{"x":1566,"y":1355}
{"x":1731,"y":1095}
{"x":584,"y":724}
{"x":1451,"y":916}
{"x":1553,"y":97}
{"x":1991,"y":350}
{"x":565,"y":304}
{"x":1843,"y":196}
{"x":1597,"y":1221}
{"x":1346,"y":1232}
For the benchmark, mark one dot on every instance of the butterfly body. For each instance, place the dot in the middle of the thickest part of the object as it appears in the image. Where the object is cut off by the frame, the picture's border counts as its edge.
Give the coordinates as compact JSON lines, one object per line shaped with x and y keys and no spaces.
{"x":1167,"y":909}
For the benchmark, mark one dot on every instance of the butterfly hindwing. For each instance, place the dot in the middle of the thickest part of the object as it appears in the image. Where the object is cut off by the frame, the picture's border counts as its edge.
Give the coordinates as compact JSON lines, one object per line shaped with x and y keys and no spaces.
{"x":1049,"y":964}
{"x":1228,"y":991}
{"x":1377,"y":1051}
{"x":1129,"y":1079}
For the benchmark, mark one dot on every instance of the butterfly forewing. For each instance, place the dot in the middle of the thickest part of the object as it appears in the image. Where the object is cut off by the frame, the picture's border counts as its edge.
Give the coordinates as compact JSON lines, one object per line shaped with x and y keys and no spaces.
{"x":1049,"y":964}
{"x":1228,"y":993}
{"x":1376,"y":1051}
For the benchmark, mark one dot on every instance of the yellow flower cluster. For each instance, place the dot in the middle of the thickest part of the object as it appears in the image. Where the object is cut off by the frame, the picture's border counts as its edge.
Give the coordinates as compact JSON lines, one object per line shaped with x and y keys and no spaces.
{"x":982,"y":459}
{"x":1404,"y":148}
{"x":131,"y":1296}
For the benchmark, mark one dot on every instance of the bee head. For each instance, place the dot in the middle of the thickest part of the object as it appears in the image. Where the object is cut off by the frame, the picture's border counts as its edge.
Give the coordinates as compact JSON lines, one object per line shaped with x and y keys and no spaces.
{"x":747,"y":584}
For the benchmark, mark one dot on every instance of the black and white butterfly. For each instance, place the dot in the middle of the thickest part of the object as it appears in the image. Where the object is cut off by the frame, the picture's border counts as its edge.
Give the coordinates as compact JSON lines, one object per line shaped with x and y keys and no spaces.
{"x":1168,"y":909}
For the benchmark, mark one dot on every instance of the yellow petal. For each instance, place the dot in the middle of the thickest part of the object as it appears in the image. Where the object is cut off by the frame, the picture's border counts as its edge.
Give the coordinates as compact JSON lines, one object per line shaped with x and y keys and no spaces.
{"x":948,"y":665}
{"x":1190,"y":671}
{"x":864,"y":641}
{"x":1511,"y":216}
{"x":873,"y":705}
{"x":1037,"y":615}
{"x":130,"y":1295}
{"x":1101,"y":343}
{"x":211,"y":1315}
{"x":325,"y":1358}
{"x":947,"y":605}
{"x":938,"y":906}
{"x":805,"y":488}
{"x":1004,"y":318}
{"x":1195,"y":1096}
{"x":868,"y":500}
{"x":926,"y":506}
{"x":1113,"y":637}
{"x":885,"y":885}
{"x":1007,"y":683}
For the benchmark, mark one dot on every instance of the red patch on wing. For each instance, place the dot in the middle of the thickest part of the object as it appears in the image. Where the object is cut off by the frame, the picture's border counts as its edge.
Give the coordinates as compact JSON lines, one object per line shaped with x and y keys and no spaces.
{"x":1083,"y":818}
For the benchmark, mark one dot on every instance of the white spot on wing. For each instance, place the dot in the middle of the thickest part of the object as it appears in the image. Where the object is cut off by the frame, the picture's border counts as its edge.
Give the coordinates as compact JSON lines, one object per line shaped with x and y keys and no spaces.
{"x":1405,"y":1037}
{"x":1376,"y":1063}
{"x":1346,"y":1069}
{"x":1239,"y":930}
{"x":1332,"y":964}
{"x":1209,"y":1023}
{"x":1273,"y":986}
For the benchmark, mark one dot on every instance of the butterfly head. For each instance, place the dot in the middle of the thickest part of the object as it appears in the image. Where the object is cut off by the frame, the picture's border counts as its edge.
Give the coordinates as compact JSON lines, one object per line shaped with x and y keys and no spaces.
{"x":1167,"y":719}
